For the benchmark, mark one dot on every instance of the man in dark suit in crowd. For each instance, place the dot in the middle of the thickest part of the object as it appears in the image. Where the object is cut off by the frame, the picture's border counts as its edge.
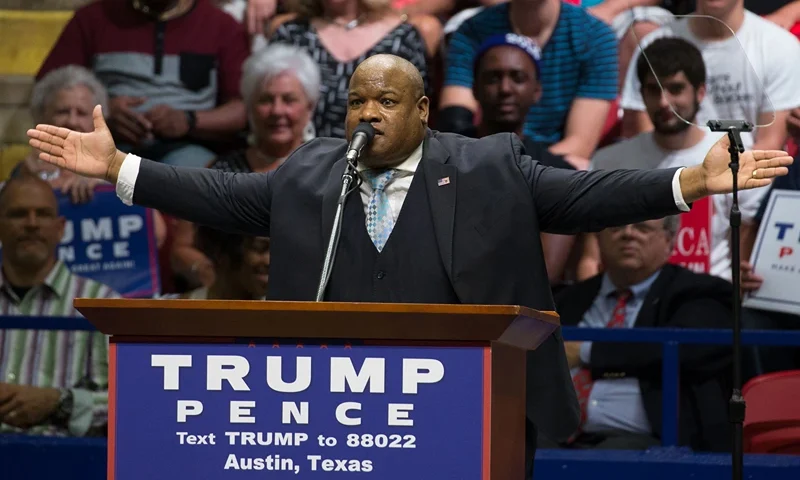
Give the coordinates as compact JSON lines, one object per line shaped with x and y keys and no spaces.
{"x":619,"y":385}
{"x":464,"y":214}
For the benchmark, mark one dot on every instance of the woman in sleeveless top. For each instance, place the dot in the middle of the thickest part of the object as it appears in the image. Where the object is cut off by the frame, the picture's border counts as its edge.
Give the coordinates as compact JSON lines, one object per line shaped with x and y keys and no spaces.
{"x":340,"y":34}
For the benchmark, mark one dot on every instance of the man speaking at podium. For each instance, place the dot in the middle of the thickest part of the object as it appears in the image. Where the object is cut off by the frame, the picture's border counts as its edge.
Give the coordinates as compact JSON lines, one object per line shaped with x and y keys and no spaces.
{"x":464,"y":214}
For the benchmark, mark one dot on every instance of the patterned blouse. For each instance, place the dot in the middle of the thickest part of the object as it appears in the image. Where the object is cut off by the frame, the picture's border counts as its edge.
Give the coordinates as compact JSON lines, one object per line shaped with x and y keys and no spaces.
{"x":404,"y":41}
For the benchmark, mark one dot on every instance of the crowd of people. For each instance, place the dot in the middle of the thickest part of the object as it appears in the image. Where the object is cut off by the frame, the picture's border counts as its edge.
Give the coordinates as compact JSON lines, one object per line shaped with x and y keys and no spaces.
{"x":237,"y":86}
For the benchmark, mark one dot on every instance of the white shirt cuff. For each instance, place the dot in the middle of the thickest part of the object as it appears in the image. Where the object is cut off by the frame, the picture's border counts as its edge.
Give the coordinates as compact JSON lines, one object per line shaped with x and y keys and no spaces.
{"x":676,"y":190}
{"x":126,"y":181}
{"x":586,"y":352}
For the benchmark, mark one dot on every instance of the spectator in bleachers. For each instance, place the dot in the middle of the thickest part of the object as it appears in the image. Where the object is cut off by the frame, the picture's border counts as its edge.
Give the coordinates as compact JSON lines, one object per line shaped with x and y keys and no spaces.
{"x":65,"y":97}
{"x":506,"y":86}
{"x":578,"y":76}
{"x":172,"y":70}
{"x":750,"y":76}
{"x":784,"y":13}
{"x":341,"y":34}
{"x":619,"y":385}
{"x":681,"y":71}
{"x":241,"y":266}
{"x":51,"y":382}
{"x":280,"y":87}
{"x":254,"y":15}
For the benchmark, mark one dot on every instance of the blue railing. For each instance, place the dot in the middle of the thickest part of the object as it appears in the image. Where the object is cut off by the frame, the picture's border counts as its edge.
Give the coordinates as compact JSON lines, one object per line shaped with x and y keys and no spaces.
{"x":671,"y":339}
{"x":86,"y":457}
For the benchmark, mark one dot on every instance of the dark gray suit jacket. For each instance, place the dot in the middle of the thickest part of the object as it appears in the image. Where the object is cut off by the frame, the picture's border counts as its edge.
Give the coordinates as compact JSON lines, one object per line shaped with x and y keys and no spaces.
{"x":487,"y":222}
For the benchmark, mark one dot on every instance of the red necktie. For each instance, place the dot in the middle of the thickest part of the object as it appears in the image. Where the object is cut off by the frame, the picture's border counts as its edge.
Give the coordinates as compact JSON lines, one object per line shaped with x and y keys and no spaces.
{"x":582,"y":380}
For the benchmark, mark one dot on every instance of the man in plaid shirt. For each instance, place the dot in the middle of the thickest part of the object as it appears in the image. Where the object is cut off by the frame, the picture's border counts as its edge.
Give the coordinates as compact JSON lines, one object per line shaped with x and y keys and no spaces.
{"x":52,"y":382}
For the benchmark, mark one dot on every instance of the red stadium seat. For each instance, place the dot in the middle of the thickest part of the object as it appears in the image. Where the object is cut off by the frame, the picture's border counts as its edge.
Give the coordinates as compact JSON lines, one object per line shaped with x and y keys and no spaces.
{"x":772,"y":421}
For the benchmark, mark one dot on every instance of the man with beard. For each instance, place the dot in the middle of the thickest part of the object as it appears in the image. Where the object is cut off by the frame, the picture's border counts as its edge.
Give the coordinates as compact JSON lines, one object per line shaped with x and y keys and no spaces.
{"x":674,"y":142}
{"x":52,"y":382}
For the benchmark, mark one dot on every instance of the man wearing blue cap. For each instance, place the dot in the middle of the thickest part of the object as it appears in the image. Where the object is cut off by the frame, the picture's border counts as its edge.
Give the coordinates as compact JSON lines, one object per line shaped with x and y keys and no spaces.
{"x":507,"y":68}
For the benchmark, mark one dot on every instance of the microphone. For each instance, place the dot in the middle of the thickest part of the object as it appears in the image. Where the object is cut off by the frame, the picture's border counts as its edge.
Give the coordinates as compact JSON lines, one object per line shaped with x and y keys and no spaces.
{"x":362,"y":136}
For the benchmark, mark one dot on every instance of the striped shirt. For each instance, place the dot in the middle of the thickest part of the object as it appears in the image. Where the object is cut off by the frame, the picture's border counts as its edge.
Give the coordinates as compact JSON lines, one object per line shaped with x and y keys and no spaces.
{"x":56,"y":358}
{"x":579,"y":60}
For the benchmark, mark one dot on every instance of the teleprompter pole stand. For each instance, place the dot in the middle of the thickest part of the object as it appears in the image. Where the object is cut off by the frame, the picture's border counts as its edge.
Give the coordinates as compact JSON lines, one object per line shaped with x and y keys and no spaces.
{"x":737,"y":406}
{"x":350,"y":181}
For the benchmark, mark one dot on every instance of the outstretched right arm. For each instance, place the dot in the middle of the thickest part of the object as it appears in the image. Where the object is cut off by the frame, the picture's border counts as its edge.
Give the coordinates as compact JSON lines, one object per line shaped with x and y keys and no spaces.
{"x":234,"y":202}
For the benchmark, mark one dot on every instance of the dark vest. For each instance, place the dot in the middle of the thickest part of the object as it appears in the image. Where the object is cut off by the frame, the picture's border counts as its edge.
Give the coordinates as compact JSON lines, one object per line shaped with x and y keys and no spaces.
{"x":409,"y":268}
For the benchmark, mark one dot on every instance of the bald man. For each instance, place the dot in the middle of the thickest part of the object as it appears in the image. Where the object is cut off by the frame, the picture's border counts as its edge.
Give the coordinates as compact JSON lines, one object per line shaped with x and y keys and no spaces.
{"x":439,"y":218}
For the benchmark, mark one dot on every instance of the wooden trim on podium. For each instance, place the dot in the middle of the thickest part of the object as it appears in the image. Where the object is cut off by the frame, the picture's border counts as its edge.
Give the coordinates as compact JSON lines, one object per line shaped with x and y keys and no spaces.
{"x":510,"y":325}
{"x":508,"y":412}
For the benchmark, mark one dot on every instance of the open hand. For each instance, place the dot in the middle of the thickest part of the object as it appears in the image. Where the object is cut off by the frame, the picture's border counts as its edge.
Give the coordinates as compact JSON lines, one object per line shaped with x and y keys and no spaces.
{"x":90,"y":154}
{"x":750,"y":281}
{"x":129,"y":126}
{"x":757,"y":168}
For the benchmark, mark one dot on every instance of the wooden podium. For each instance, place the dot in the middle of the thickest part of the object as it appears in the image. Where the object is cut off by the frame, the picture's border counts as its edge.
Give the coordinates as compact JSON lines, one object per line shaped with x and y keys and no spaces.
{"x":216,"y":389}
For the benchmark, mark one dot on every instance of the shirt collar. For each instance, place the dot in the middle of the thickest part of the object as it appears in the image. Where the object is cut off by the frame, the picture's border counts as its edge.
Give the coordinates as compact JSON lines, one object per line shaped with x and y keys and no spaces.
{"x":409,"y":165}
{"x":639,"y":290}
{"x":56,"y":280}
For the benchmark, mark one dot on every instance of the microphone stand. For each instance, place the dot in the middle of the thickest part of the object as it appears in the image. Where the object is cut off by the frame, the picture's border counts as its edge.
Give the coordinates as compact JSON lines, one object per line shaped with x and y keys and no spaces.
{"x":350,"y":177}
{"x":736,"y":411}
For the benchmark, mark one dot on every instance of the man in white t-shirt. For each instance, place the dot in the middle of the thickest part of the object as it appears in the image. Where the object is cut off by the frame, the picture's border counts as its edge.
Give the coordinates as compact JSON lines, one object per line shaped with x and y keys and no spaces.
{"x":750,"y":76}
{"x":673,"y":142}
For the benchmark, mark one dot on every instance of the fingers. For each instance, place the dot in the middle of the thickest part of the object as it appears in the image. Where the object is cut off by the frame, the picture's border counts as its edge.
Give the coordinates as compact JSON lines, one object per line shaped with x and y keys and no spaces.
{"x":58,"y":161}
{"x":50,"y":133}
{"x":781,"y":161}
{"x":768,"y":154}
{"x":756,"y":183}
{"x":769,"y":172}
{"x":49,"y":152}
{"x":98,"y":119}
{"x":129,"y":128}
{"x":135,"y":101}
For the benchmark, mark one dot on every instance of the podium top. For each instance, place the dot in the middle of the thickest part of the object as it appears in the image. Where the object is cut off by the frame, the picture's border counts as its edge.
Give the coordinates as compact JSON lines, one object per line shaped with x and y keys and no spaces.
{"x":513,"y":325}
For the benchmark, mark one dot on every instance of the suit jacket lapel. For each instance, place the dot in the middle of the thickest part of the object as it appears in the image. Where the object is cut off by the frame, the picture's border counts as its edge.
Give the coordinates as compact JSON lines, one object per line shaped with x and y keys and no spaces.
{"x":330,"y":196}
{"x":574,"y":302}
{"x":648,"y":314}
{"x":441,"y":182}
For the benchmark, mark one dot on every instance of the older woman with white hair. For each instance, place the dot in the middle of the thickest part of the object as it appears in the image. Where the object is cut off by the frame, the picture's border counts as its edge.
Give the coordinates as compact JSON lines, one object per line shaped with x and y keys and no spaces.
{"x":280,"y":87}
{"x":65,"y":97}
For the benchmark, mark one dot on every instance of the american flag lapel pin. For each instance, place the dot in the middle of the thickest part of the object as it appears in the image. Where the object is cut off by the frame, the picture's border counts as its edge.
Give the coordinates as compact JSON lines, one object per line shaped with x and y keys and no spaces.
{"x":443,"y":181}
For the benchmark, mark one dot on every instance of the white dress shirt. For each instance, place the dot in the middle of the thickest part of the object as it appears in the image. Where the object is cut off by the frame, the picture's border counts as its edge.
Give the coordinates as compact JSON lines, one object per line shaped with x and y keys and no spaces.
{"x":396,"y":190}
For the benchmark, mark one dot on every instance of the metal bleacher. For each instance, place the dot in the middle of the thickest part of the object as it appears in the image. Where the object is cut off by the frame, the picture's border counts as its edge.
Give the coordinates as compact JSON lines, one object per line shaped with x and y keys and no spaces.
{"x":28,"y":30}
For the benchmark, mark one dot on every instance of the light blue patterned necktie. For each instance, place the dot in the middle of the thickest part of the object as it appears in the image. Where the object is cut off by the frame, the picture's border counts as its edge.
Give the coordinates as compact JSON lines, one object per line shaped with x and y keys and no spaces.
{"x":379,"y":214}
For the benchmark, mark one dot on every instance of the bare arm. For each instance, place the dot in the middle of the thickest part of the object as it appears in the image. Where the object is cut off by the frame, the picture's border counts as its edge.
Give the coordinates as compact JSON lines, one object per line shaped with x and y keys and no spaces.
{"x":222,"y":121}
{"x":429,"y":7}
{"x":589,"y":264}
{"x":635,"y":122}
{"x":557,"y":249}
{"x":456,"y":96}
{"x":585,"y":122}
{"x":774,"y":136}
